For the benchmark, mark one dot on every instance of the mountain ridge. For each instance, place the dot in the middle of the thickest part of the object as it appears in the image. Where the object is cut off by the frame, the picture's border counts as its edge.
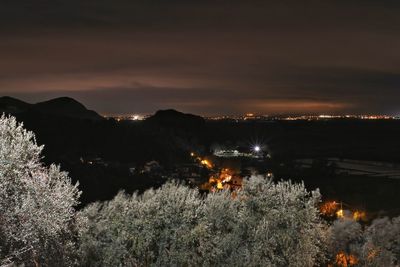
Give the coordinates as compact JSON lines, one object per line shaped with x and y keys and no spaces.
{"x":13,"y":105}
{"x":60,"y":106}
{"x":172,"y":118}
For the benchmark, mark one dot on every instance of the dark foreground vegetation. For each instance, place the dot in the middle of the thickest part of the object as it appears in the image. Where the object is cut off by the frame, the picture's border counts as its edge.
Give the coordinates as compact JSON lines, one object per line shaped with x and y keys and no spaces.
{"x":264,"y":224}
{"x":75,"y":137}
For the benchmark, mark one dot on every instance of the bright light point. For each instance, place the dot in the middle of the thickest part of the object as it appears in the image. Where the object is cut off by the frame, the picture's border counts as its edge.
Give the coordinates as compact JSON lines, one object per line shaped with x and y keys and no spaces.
{"x":136,"y":117}
{"x":206,"y":163}
{"x":340,"y":213}
{"x":257,"y":148}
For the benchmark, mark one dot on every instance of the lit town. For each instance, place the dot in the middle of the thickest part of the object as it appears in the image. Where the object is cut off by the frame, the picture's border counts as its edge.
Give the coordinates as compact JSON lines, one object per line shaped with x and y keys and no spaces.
{"x":206,"y":133}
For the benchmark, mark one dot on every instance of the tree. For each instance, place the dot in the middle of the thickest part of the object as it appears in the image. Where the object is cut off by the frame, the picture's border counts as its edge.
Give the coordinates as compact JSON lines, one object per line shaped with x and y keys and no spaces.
{"x":382,"y":243}
{"x":37,"y":216}
{"x":264,"y":224}
{"x":377,"y":244}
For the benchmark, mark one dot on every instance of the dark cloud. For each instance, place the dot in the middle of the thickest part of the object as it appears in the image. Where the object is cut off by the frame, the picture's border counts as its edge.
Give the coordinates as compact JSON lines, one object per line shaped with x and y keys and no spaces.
{"x":204,"y":56}
{"x":202,"y":14}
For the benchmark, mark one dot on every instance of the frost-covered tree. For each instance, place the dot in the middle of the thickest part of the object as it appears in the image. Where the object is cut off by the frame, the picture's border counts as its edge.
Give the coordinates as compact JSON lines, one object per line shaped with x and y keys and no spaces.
{"x":345,"y":240}
{"x":377,"y":244}
{"x":37,"y":216}
{"x":282,"y":224}
{"x":346,"y":234}
{"x":265,"y":224}
{"x":139,"y":230}
{"x":382,"y":243}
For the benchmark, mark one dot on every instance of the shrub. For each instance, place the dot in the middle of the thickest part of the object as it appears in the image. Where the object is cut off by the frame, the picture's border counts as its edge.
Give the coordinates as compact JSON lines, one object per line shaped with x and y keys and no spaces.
{"x":264,"y":224}
{"x":37,"y":216}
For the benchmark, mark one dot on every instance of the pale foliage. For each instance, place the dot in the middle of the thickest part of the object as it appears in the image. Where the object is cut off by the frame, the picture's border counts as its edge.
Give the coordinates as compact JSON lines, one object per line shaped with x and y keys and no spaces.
{"x":382,"y":238}
{"x":346,"y":235}
{"x":265,"y":224}
{"x":375,"y":245}
{"x":36,"y":202}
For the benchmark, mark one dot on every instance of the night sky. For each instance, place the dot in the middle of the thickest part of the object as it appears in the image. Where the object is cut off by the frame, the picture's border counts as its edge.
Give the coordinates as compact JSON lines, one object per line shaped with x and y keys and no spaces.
{"x":204,"y":57}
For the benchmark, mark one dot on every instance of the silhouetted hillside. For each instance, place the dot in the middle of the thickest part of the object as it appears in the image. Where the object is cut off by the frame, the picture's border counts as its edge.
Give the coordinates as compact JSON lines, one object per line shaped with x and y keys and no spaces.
{"x":173,"y":118}
{"x":176,"y":131}
{"x":12,"y":105}
{"x":62,"y":107}
{"x":65,"y":106}
{"x":169,"y":136}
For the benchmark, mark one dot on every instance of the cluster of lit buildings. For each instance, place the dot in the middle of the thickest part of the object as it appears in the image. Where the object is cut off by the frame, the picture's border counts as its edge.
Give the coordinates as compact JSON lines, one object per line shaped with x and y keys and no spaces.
{"x":333,"y":117}
{"x":254,"y":117}
{"x":245,"y":117}
{"x":128,"y":117}
{"x":255,"y":153}
{"x":257,"y":117}
{"x":222,"y":178}
{"x":335,"y":210}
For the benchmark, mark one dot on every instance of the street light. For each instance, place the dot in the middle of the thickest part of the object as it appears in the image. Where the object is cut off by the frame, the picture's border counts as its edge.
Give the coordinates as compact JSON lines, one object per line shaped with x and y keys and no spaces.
{"x":257,"y":148}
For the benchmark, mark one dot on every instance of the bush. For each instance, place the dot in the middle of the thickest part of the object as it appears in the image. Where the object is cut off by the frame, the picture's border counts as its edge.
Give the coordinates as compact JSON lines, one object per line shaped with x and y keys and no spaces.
{"x":37,"y":216}
{"x":264,"y":224}
{"x":375,"y":245}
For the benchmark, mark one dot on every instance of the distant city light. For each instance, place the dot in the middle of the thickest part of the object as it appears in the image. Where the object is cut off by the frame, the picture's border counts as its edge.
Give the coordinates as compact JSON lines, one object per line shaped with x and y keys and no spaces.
{"x":340,"y":213}
{"x":257,"y":148}
{"x":206,"y":163}
{"x":128,"y":117}
{"x":251,"y":116}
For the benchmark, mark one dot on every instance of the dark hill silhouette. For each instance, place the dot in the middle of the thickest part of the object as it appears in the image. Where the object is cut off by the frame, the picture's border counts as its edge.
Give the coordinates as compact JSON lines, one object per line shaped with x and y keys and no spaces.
{"x":66,"y":107}
{"x":169,"y":136}
{"x":173,"y":118}
{"x":58,"y":107}
{"x":12,"y":105}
